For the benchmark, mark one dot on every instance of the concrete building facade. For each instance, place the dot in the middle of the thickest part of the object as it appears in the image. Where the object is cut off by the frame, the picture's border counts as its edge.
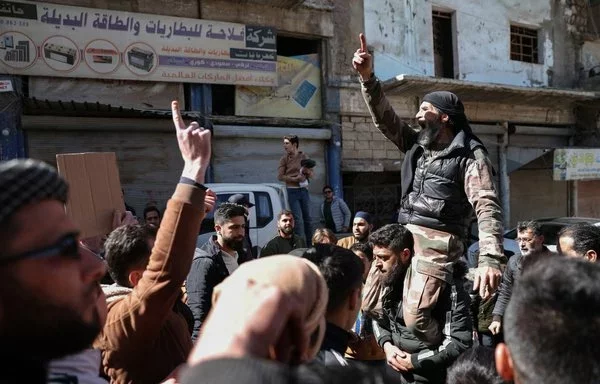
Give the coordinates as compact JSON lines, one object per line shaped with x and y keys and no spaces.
{"x":50,"y":115}
{"x":520,"y":69}
{"x":528,"y":73}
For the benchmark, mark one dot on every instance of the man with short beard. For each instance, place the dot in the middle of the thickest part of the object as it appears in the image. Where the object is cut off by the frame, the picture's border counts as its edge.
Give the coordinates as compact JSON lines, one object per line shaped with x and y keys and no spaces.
{"x":362,"y":225}
{"x":405,"y":353}
{"x":447,"y":179}
{"x":531,"y":244}
{"x":286,"y":240}
{"x":49,"y":288}
{"x":215,"y":260}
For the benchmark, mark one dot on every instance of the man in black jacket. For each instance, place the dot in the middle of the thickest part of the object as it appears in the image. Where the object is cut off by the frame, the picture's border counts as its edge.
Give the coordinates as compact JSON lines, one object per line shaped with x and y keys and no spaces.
{"x":286,"y":240}
{"x":447,"y":178}
{"x":215,"y":260}
{"x":247,"y":250}
{"x":405,"y":353}
{"x":343,"y":273}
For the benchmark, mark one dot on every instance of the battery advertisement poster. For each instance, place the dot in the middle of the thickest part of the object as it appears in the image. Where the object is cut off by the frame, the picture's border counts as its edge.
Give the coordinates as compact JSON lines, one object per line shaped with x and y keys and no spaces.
{"x":41,"y":39}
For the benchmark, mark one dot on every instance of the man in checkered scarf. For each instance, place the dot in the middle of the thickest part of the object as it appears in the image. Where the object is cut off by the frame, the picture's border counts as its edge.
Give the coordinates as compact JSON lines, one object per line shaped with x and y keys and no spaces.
{"x":49,"y":288}
{"x":24,"y":181}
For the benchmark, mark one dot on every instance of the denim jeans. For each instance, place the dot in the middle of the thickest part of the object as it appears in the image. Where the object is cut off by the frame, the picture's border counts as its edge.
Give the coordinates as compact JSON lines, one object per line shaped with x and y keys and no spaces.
{"x":488,"y":340}
{"x":300,"y":205}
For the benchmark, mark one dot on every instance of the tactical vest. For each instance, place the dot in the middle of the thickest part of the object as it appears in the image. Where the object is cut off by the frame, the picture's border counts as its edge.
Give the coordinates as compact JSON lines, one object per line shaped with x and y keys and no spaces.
{"x":434,"y":196}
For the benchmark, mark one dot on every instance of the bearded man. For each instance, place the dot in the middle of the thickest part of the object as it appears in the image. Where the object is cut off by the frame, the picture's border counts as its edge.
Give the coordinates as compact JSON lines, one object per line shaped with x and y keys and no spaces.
{"x":51,"y":303}
{"x":286,"y":240}
{"x":215,"y":260}
{"x":415,"y":361}
{"x":447,"y":177}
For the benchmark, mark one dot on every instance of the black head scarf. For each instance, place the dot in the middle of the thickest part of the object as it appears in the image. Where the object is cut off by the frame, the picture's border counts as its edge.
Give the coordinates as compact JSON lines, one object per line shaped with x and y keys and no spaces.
{"x":448,"y":103}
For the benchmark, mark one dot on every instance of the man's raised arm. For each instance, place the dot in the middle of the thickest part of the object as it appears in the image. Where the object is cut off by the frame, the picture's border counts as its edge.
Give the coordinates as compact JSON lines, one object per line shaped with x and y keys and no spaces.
{"x":384,"y":116}
{"x":141,"y":314}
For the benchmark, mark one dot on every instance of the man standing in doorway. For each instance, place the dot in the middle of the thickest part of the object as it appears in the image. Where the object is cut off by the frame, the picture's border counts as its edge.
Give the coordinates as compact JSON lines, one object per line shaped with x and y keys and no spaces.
{"x":446,"y":177}
{"x":289,"y":172}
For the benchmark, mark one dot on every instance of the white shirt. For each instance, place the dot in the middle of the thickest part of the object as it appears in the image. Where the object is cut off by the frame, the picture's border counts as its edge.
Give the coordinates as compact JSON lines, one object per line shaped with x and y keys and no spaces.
{"x":231,"y":261}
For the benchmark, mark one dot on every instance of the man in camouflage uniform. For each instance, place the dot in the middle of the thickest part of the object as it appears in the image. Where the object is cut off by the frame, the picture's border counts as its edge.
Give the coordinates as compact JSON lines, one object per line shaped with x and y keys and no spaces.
{"x":446,"y":177}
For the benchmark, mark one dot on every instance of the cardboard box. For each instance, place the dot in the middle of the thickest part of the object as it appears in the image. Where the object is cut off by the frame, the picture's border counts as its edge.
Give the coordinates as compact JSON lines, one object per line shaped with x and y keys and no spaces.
{"x":94,"y":190}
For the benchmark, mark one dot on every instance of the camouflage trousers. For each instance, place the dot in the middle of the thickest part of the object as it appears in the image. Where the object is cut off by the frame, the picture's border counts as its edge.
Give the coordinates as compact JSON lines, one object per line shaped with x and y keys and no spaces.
{"x":430,"y":270}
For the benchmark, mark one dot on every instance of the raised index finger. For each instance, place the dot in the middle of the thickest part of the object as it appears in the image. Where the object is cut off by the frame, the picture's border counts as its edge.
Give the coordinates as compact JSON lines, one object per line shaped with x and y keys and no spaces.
{"x":177,"y":119}
{"x":363,"y":42}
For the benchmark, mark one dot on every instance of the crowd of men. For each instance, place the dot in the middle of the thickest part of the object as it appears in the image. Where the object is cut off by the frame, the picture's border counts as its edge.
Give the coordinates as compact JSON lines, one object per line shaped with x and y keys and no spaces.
{"x":395,"y":304}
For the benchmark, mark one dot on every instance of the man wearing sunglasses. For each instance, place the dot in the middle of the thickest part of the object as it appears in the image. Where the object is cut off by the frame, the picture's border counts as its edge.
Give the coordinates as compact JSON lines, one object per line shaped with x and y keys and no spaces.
{"x":335,"y":213}
{"x":48,"y":287}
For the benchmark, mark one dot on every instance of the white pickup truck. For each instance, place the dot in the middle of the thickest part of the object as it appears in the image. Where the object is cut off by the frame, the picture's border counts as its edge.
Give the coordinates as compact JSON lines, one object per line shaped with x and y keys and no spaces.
{"x":268,"y":199}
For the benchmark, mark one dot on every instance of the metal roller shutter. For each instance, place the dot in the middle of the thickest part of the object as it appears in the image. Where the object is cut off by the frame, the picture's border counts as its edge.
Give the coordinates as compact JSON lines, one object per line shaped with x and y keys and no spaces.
{"x":149,"y":162}
{"x":251,"y":155}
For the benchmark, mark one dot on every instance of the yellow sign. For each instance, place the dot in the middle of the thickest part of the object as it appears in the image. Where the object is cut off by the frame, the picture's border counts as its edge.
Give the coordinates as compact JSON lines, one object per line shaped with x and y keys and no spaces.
{"x":298,"y":94}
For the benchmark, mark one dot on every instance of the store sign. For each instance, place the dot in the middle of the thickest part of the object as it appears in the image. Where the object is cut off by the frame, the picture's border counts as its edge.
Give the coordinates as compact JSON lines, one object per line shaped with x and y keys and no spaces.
{"x":576,"y":164}
{"x":41,"y":39}
{"x":298,"y":94}
{"x":6,"y":86}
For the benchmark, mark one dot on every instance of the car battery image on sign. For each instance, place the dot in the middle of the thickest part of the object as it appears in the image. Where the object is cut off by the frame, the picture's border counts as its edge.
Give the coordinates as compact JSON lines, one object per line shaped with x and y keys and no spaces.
{"x":59,"y":53}
{"x":141,"y":58}
{"x":102,"y":56}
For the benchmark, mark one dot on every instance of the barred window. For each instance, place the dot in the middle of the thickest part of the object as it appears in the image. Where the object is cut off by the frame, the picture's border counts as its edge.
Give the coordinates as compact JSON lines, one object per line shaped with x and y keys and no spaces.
{"x":524,"y":44}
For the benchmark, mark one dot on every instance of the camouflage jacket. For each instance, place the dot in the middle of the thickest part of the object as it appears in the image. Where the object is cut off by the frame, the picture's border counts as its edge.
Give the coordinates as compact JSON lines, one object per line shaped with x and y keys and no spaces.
{"x":478,"y":189}
{"x":452,"y":316}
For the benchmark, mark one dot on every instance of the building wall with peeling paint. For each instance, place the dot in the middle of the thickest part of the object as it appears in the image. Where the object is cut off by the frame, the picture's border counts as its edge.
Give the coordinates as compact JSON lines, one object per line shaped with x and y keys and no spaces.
{"x":400,"y":33}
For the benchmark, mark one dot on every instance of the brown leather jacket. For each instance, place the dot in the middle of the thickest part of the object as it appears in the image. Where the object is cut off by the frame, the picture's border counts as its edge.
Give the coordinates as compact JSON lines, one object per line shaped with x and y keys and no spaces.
{"x":144,"y":340}
{"x":289,"y":169}
{"x":346,"y":242}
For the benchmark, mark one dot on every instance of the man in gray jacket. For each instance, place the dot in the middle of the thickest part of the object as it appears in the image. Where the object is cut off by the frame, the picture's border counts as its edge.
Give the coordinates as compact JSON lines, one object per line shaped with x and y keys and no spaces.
{"x":335,"y":213}
{"x":531,"y":243}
